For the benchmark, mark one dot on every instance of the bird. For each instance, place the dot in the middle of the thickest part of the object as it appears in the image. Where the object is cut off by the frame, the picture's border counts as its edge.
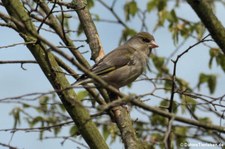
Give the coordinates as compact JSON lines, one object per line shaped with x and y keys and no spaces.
{"x":124,"y":64}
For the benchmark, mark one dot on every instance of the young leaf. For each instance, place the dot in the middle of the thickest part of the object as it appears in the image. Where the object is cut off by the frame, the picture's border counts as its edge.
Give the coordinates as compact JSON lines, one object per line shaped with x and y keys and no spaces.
{"x":188,"y":102}
{"x":105,"y":131}
{"x":180,"y":133}
{"x":221,"y":59}
{"x":16,"y":115}
{"x":73,"y":130}
{"x":79,"y":30}
{"x":82,"y":94}
{"x":90,"y":3}
{"x":130,"y":9}
{"x":127,"y":33}
{"x":212,"y":83}
{"x":203,"y":78}
{"x":210,"y":79}
{"x":36,"y":120}
{"x":151,"y":5}
{"x":161,"y":4}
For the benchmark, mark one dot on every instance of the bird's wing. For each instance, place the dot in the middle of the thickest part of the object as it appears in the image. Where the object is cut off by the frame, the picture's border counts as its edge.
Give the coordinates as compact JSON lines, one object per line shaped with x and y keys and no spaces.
{"x":114,"y":60}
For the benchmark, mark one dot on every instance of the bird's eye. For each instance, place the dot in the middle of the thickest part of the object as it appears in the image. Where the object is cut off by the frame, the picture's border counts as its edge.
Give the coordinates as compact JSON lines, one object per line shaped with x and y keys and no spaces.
{"x":145,"y":40}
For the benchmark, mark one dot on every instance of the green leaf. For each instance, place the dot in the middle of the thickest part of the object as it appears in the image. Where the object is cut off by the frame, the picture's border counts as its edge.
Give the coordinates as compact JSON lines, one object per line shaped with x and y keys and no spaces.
{"x":214,"y":52}
{"x":180,"y":133}
{"x":51,"y":120}
{"x":157,"y":120}
{"x":168,"y":84}
{"x":200,"y":29}
{"x":156,"y":138}
{"x":212,"y":83}
{"x":56,"y":130}
{"x":90,"y":3}
{"x":162,"y":17}
{"x":210,"y":79}
{"x":175,"y":36}
{"x":16,"y":115}
{"x":221,"y":60}
{"x":205,"y":120}
{"x":210,"y":62}
{"x":130,"y":9}
{"x":36,"y":120}
{"x":105,"y":131}
{"x":80,"y":30}
{"x":183,"y":85}
{"x":203,"y":78}
{"x":158,"y":61}
{"x":181,"y":130}
{"x":26,"y":105}
{"x":43,"y":104}
{"x":189,"y":102}
{"x":61,"y":106}
{"x":166,"y":103}
{"x":172,"y":17}
{"x":127,"y":32}
{"x":73,"y":131}
{"x":82,"y":94}
{"x":112,"y":128}
{"x":151,"y":5}
{"x":159,"y":4}
{"x":43,"y":100}
{"x":96,"y":17}
{"x":162,"y":4}
{"x":41,"y":134}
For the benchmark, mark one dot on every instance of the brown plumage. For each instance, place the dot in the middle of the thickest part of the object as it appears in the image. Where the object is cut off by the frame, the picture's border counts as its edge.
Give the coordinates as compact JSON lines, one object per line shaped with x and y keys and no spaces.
{"x":124,"y":64}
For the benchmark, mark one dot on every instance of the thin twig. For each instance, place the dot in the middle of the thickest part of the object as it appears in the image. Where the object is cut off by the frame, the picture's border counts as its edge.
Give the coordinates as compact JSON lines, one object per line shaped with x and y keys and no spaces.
{"x":16,"y":44}
{"x":42,"y":23}
{"x":175,"y":68}
{"x":9,"y":146}
{"x":38,"y":128}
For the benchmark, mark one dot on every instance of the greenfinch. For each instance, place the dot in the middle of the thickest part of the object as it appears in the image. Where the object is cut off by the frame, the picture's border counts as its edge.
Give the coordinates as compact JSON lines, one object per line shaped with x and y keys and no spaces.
{"x":124,"y":64}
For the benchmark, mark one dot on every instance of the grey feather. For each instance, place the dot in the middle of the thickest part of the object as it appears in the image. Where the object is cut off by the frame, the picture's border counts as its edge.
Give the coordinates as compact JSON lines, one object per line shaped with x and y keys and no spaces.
{"x":124,"y":64}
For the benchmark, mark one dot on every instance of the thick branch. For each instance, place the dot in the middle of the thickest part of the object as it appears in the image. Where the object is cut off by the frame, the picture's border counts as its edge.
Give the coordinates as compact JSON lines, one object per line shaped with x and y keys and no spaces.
{"x":121,"y":115}
{"x":89,"y":29}
{"x":59,"y":82}
{"x":125,"y":125}
{"x":205,"y":13}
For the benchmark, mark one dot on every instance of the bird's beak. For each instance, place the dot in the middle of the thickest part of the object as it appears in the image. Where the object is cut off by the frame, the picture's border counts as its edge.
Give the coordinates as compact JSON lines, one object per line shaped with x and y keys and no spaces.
{"x":153,"y":44}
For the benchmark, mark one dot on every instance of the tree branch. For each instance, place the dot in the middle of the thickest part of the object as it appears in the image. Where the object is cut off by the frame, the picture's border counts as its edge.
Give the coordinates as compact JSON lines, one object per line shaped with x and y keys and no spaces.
{"x":89,"y":28}
{"x":178,"y":118}
{"x":136,"y":101}
{"x":205,"y":13}
{"x":50,"y":68}
{"x":54,"y":24}
{"x":121,"y":115}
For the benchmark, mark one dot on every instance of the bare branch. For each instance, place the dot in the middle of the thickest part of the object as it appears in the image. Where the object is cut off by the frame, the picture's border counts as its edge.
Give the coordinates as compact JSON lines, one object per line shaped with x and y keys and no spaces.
{"x":89,"y":29}
{"x":175,"y":68}
{"x":9,"y":146}
{"x":18,"y":62}
{"x":16,"y":44}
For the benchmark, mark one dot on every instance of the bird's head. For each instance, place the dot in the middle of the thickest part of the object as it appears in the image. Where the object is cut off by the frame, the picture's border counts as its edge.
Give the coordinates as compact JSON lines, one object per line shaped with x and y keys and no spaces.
{"x":142,"y":41}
